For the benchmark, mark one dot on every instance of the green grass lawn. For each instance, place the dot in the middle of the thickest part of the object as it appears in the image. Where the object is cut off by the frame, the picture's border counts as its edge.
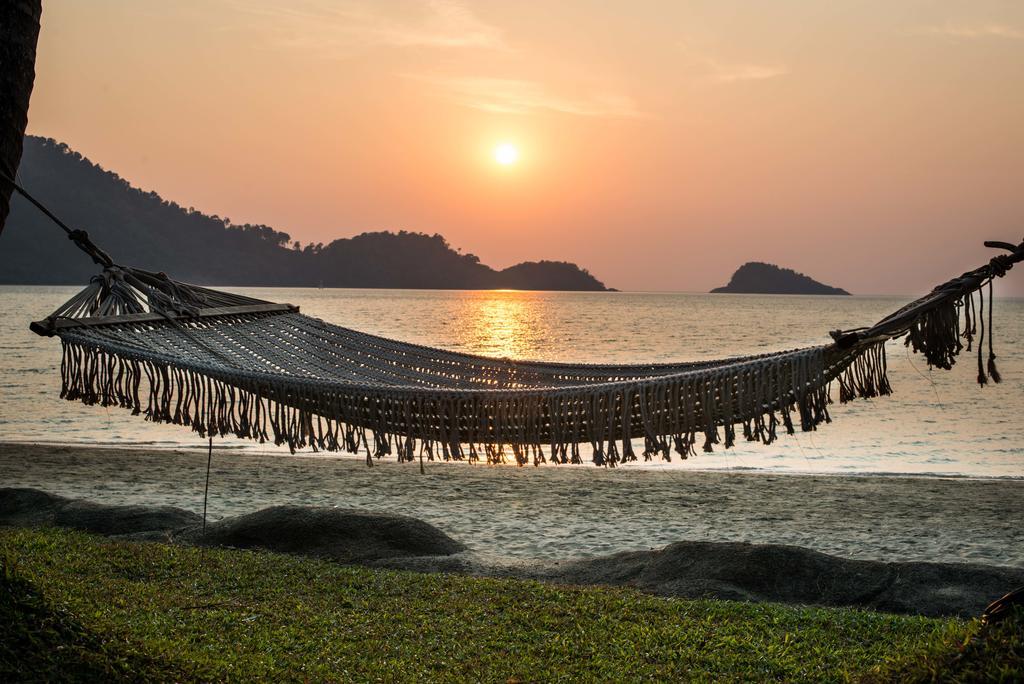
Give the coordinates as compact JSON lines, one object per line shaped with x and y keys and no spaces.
{"x":79,"y":607}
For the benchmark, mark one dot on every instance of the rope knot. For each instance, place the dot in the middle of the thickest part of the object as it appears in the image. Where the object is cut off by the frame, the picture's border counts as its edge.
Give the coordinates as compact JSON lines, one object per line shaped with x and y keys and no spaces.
{"x":81,"y":239}
{"x":1000,"y":264}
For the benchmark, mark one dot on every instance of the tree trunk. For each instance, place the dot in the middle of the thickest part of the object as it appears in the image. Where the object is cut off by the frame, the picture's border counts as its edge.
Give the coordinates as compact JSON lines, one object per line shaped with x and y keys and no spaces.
{"x":19,"y":30}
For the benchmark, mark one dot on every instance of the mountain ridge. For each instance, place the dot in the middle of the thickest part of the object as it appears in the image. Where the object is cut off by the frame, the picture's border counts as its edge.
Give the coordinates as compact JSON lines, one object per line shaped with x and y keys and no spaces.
{"x":142,"y":229}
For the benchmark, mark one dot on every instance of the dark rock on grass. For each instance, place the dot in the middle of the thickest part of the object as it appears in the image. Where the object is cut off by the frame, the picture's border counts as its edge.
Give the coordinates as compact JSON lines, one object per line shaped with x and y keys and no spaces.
{"x":790,"y":574}
{"x":33,"y":508}
{"x":21,"y":507}
{"x":123,"y":520}
{"x":760,"y":573}
{"x":348,"y":536}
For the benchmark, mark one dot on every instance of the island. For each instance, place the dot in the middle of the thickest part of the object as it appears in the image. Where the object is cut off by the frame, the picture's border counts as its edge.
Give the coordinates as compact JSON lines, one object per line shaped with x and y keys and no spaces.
{"x":756,"y":277}
{"x":142,"y":229}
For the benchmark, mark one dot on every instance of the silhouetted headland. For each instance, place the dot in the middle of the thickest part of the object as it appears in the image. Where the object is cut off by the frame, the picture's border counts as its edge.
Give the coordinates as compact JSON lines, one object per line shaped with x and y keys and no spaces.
{"x":142,"y":229}
{"x":756,"y":277}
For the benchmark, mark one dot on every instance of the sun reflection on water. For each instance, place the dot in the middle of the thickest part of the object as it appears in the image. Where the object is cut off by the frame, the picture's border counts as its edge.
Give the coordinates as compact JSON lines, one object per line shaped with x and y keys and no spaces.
{"x":503,"y":323}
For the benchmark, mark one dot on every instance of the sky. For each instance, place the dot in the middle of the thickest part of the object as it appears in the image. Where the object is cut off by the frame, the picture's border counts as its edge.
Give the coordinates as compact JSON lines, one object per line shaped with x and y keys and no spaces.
{"x":870,"y":144}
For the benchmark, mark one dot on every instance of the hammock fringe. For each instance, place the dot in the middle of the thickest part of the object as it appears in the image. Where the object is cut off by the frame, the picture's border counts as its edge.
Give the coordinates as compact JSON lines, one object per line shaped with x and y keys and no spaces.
{"x":670,"y":415}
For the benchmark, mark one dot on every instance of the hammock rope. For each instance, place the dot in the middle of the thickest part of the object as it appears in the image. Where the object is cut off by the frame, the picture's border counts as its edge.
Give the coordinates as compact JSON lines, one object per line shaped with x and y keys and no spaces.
{"x":225,"y":364}
{"x":79,"y":237}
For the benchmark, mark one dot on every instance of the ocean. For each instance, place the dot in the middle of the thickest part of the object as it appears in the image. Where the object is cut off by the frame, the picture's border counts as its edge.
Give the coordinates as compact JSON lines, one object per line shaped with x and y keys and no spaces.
{"x":937,"y":423}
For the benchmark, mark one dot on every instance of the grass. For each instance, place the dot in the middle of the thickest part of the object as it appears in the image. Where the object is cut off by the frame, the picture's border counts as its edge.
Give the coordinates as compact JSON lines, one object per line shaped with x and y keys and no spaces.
{"x":43,"y":643}
{"x":83,"y":608}
{"x":991,"y":654}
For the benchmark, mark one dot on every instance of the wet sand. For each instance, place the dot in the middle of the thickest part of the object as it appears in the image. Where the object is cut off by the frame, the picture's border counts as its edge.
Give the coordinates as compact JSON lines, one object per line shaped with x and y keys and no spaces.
{"x":565,"y":512}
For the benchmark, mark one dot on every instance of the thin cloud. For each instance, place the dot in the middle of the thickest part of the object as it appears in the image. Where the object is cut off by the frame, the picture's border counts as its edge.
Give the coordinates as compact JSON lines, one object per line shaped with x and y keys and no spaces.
{"x":340,"y":27}
{"x":718,"y":71}
{"x":731,"y":73}
{"x":971,"y":31}
{"x":515,"y":96}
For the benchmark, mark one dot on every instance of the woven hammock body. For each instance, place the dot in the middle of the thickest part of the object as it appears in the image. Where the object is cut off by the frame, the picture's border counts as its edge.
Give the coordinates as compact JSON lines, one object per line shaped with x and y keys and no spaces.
{"x":224,"y":364}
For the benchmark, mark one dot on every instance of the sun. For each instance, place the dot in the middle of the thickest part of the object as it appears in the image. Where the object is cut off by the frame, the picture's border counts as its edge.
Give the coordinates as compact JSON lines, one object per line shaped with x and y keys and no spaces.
{"x":506,"y":154}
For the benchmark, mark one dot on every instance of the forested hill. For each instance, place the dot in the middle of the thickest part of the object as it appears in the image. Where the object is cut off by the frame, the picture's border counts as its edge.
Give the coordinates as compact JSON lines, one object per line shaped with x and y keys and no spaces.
{"x":756,"y":277}
{"x":142,"y":229}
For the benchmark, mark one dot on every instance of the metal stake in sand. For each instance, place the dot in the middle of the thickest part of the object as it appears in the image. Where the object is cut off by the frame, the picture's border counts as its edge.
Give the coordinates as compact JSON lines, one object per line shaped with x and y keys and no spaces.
{"x":206,"y":490}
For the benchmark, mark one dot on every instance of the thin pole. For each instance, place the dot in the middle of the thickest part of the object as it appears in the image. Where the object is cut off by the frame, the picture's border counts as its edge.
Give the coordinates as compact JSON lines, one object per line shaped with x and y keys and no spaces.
{"x":206,"y":491}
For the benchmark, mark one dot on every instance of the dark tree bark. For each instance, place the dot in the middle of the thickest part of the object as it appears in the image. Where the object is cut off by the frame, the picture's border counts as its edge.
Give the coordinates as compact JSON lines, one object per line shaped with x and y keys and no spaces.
{"x":19,"y":31}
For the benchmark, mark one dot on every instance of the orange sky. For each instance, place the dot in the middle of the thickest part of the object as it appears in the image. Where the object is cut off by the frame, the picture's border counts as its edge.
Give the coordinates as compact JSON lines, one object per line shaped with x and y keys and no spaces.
{"x":871,"y":144}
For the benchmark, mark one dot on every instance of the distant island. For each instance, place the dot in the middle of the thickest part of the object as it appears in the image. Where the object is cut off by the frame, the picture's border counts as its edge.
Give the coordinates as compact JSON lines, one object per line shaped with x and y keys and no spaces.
{"x":756,"y":277}
{"x":142,"y":229}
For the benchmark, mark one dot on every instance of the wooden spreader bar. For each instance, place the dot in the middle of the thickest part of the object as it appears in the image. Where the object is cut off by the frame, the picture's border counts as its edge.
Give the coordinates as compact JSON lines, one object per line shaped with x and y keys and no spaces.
{"x":48,"y":327}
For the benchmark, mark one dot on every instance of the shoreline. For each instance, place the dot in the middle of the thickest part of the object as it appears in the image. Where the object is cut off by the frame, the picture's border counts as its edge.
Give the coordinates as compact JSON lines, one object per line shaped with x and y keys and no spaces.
{"x":244,"y":449}
{"x":553,"y":513}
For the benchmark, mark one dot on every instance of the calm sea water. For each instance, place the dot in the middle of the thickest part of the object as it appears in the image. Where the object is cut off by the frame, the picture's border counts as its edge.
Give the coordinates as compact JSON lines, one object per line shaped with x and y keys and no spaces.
{"x":937,"y":422}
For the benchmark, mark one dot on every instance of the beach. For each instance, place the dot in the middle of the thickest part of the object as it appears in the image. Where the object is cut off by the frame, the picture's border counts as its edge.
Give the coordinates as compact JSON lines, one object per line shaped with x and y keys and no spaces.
{"x":560,"y":512}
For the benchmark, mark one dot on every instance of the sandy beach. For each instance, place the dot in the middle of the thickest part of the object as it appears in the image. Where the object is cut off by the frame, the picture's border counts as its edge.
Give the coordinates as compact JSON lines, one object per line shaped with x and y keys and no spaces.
{"x":565,"y":512}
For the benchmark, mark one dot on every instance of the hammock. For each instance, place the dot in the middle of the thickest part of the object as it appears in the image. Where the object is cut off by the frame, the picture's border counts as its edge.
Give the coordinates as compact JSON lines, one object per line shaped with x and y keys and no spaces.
{"x":223,"y":364}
